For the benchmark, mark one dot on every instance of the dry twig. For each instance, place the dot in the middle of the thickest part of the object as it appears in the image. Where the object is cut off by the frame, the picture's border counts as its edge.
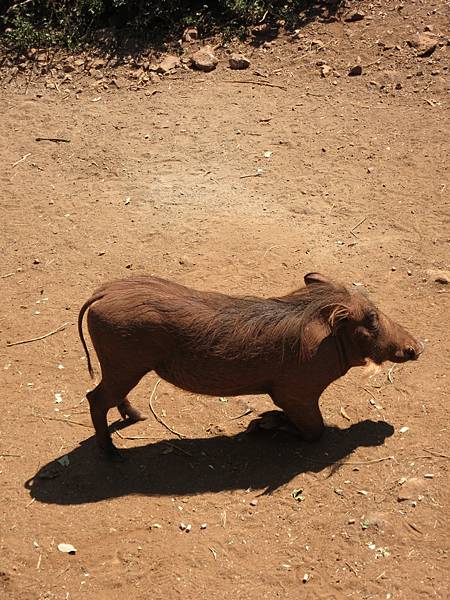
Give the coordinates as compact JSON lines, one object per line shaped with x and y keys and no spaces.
{"x":24,"y":157}
{"x":352,"y":230}
{"x":49,"y":139}
{"x":69,"y":421}
{"x":160,"y":421}
{"x":246,"y":412}
{"x":438,"y":454}
{"x":348,"y":462}
{"x":132,"y":437}
{"x":175,"y":447}
{"x":264,"y":83}
{"x":41,"y":337}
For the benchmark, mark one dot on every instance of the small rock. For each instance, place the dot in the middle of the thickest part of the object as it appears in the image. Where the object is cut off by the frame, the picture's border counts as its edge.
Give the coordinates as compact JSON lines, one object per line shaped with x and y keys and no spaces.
{"x":99,"y":63}
{"x":169,"y":63}
{"x":190,"y":34}
{"x":356,"y":70}
{"x":239,"y":62}
{"x":442,"y":277}
{"x":253,"y":502}
{"x":203,"y":525}
{"x":356,"y":15}
{"x":326,"y":70}
{"x":36,"y":261}
{"x":374,"y":521}
{"x":412,"y":489}
{"x":204,"y":60}
{"x":317,"y":44}
{"x":424,"y":43}
{"x":67,"y":548}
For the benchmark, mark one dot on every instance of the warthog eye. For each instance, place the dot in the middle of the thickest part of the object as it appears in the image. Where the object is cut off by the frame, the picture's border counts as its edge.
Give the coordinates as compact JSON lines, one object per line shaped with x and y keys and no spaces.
{"x":371,"y":321}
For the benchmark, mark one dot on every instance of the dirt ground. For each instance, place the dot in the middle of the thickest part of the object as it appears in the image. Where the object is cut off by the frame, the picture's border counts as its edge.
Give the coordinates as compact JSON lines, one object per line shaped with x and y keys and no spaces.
{"x":241,"y":187}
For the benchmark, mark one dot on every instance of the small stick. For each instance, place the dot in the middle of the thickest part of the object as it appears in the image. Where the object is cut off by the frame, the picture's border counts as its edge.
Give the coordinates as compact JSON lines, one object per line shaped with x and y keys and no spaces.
{"x":370,"y":393}
{"x":352,"y":569}
{"x":269,"y":249}
{"x":39,"y":561}
{"x":265,"y":83}
{"x":132,"y":437}
{"x":175,"y":447}
{"x":413,"y":526}
{"x":41,"y":337}
{"x":389,"y":375}
{"x":358,"y":224}
{"x":30,"y":502}
{"x":368,"y":462}
{"x":343,"y":464}
{"x":21,"y":159}
{"x":49,"y":139}
{"x":244,"y":414}
{"x":156,"y":416}
{"x":438,"y":454}
{"x":257,"y":174}
{"x":10,"y":456}
{"x":6,"y":275}
{"x":69,"y":421}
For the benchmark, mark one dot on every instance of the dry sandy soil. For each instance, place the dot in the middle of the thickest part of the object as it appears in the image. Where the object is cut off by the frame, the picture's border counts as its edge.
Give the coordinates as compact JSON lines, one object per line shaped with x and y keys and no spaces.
{"x":160,"y":178}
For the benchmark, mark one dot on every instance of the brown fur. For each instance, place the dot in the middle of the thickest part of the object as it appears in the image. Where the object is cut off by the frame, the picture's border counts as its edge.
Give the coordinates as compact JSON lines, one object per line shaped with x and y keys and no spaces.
{"x":291,"y":347}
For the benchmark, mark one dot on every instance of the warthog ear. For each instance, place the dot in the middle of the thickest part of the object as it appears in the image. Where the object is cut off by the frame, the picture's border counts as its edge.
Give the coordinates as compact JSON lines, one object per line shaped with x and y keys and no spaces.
{"x":338,"y":314}
{"x":313,"y":278}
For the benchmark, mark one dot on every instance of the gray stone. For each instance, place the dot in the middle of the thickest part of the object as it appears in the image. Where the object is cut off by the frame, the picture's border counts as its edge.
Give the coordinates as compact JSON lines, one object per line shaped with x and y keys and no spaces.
{"x":356,"y":70}
{"x":239,"y":62}
{"x":168,"y":64}
{"x":204,"y":59}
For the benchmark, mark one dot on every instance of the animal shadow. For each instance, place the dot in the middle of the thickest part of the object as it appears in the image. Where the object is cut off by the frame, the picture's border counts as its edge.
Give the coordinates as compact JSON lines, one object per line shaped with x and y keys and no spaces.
{"x":176,"y":467}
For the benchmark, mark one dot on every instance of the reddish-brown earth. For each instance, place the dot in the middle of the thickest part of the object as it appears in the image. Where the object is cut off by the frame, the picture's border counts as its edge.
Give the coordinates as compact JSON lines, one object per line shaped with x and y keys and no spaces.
{"x":160,"y":177}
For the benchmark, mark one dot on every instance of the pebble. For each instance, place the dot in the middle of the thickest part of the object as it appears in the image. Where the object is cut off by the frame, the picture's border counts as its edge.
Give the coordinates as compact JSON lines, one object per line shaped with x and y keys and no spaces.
{"x":356,"y":70}
{"x":356,"y":15}
{"x":326,"y":70}
{"x":190,"y":34}
{"x":424,"y":43}
{"x":204,"y":59}
{"x":168,"y":64}
{"x":442,"y":277}
{"x":412,"y":489}
{"x":238,"y":62}
{"x":374,"y":521}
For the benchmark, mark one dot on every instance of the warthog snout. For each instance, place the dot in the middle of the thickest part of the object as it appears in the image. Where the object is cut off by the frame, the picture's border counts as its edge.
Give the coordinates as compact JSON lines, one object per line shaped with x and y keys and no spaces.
{"x":410,"y":352}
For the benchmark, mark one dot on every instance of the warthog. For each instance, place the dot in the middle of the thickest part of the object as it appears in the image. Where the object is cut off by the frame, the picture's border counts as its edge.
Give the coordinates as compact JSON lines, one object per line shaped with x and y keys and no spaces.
{"x":290,"y":347}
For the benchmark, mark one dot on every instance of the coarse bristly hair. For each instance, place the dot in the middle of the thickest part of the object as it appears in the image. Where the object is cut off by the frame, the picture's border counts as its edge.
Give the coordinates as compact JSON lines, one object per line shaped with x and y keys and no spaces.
{"x":242,"y":328}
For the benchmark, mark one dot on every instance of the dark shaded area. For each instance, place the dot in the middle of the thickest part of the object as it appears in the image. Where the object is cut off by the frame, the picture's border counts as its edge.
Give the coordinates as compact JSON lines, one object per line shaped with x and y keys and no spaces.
{"x":114,"y":25}
{"x":261,"y":461}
